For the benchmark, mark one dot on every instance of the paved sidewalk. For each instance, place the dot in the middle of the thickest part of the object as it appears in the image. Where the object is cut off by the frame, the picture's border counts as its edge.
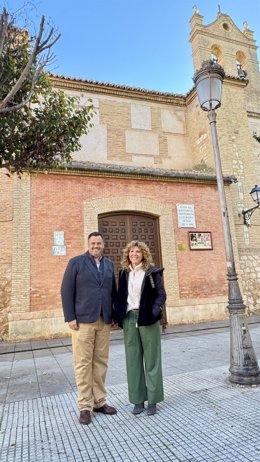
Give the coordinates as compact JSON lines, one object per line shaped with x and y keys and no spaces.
{"x":203,"y":417}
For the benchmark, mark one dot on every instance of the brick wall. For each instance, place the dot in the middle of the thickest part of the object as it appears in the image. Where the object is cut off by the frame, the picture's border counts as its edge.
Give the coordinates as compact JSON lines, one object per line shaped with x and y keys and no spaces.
{"x":58,"y":204}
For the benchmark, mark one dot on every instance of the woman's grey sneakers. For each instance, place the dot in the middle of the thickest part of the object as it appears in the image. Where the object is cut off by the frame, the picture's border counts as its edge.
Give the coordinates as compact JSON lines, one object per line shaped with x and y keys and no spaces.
{"x":139,"y":408}
{"x":151,"y":409}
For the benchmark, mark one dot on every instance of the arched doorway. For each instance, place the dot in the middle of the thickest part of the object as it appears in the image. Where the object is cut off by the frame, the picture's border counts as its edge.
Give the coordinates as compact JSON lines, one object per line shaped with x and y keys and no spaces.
{"x":147,"y":207}
{"x":120,"y":228}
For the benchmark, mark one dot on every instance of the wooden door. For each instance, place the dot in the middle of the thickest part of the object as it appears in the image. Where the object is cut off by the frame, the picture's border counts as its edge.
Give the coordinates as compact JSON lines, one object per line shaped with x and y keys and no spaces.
{"x":119,"y":229}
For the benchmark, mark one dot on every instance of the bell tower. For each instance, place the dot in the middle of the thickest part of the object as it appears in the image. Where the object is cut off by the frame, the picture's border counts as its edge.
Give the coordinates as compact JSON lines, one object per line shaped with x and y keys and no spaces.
{"x":235,"y":51}
{"x":238,"y":119}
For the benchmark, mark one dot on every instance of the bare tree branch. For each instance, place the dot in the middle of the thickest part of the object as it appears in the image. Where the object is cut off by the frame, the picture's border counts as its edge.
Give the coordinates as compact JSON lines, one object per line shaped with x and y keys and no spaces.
{"x":29,"y":137}
{"x":38,"y":48}
{"x":3,"y":29}
{"x":45,"y":45}
{"x":16,"y":107}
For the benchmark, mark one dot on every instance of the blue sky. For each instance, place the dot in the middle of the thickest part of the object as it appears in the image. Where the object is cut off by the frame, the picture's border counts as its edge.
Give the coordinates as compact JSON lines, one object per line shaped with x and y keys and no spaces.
{"x":139,"y":43}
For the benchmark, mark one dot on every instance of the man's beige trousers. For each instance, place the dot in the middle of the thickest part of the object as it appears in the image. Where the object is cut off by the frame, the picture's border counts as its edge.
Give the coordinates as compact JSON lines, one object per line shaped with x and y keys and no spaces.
{"x":90,"y":351}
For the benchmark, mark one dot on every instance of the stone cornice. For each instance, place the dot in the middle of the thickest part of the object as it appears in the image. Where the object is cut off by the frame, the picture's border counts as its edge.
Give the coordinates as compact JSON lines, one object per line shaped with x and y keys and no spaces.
{"x":89,"y":86}
{"x":253,"y":114}
{"x":231,"y":80}
{"x":144,"y":173}
{"x":214,"y":35}
{"x":191,"y":95}
{"x":99,"y":88}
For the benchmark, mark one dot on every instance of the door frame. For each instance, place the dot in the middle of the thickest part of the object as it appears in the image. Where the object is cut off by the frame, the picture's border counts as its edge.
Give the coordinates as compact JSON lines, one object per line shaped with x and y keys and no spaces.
{"x":164,"y":212}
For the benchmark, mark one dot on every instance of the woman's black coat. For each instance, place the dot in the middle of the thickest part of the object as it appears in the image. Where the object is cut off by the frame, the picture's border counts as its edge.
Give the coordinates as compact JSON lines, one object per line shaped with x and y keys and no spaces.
{"x":153,"y":297}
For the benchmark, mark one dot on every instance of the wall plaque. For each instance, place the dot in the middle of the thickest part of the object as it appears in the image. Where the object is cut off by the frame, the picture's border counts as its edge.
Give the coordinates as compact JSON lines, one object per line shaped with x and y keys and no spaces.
{"x":186,"y":216}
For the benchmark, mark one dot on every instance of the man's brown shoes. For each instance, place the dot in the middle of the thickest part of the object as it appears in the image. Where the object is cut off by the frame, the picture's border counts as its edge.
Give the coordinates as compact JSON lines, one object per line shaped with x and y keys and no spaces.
{"x":105,"y":409}
{"x":85,"y":417}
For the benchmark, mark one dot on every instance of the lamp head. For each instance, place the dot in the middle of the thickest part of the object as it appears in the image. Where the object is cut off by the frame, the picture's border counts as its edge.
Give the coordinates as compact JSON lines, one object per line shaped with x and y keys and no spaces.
{"x":208,"y":81}
{"x":255,"y":194}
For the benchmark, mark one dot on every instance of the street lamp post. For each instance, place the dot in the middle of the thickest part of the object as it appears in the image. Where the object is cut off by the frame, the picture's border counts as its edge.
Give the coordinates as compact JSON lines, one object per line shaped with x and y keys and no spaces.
{"x":244,"y":368}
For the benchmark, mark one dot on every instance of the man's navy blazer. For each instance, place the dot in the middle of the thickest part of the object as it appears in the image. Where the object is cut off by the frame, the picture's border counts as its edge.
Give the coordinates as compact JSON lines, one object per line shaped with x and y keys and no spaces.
{"x":85,"y":292}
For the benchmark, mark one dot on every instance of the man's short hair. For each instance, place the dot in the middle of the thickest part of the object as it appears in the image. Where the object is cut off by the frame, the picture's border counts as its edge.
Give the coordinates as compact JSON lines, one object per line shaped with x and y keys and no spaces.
{"x":95,"y":233}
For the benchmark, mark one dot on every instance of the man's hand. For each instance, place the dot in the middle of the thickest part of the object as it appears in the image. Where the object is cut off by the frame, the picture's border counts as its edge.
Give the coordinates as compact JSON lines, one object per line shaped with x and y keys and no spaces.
{"x":73,"y":325}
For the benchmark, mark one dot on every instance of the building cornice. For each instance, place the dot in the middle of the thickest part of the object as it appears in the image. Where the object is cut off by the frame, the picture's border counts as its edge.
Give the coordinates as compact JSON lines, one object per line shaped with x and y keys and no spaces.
{"x":143,"y":173}
{"x":231,"y":80}
{"x":89,"y":86}
{"x":254,"y":114}
{"x":100,"y":88}
{"x":216,"y":36}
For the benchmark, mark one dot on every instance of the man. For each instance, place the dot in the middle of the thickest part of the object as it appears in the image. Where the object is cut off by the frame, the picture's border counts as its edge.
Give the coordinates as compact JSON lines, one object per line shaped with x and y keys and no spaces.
{"x":88,"y":291}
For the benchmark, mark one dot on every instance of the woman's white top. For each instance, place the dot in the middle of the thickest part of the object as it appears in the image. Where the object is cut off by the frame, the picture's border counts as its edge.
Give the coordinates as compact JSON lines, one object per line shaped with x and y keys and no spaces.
{"x":135,"y":280}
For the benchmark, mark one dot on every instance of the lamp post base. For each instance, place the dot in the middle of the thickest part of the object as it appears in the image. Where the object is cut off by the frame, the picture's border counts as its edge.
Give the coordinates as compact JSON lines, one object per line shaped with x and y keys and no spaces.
{"x":244,"y":369}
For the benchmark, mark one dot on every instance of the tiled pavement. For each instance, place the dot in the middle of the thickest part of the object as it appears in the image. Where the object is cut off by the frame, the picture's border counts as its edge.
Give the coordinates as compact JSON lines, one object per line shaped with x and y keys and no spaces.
{"x":203,"y":417}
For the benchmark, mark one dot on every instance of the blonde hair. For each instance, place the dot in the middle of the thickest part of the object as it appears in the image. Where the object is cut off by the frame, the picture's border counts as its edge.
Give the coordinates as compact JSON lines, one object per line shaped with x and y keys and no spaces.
{"x":147,"y":257}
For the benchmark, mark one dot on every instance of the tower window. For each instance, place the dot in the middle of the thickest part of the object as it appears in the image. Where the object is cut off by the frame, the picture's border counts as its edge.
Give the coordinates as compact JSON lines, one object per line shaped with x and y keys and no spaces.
{"x":241,"y":73}
{"x":226,"y":26}
{"x":241,"y":64}
{"x":217,"y":54}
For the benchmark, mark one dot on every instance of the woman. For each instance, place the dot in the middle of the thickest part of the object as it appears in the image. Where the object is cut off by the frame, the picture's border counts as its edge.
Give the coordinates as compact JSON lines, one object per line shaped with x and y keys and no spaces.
{"x":141,"y":296}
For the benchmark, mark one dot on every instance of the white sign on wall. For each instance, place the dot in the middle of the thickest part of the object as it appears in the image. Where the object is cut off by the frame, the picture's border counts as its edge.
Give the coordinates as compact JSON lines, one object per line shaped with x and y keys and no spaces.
{"x":58,"y":238}
{"x":59,"y":247}
{"x":186,"y":216}
{"x":58,"y":250}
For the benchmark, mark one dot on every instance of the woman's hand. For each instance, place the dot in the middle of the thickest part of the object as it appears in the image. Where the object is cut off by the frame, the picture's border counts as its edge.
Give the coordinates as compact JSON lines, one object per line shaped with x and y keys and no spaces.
{"x":156,"y":311}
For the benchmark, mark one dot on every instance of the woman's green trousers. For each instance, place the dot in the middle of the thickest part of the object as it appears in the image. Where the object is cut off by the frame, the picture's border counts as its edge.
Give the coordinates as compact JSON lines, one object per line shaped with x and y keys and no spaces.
{"x":143,"y":360}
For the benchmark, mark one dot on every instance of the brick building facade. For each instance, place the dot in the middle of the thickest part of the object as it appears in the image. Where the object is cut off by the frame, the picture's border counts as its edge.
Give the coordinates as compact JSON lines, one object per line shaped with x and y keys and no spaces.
{"x":145,"y":170}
